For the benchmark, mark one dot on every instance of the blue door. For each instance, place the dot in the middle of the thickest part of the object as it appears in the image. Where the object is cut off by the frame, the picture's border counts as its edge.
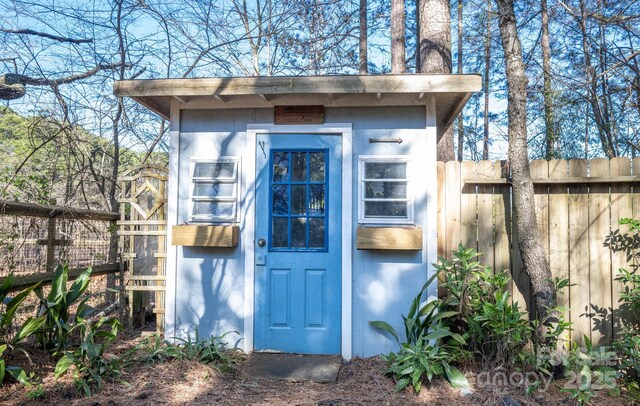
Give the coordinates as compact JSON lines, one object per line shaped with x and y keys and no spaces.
{"x":298,"y":243}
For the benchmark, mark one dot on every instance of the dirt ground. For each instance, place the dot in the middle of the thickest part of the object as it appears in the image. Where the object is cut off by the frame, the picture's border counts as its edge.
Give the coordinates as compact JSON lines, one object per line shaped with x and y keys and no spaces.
{"x":360,"y":382}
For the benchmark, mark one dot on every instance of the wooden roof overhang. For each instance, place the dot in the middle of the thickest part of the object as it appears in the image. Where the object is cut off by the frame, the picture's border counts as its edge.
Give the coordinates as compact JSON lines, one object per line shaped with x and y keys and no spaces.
{"x":451,"y":92}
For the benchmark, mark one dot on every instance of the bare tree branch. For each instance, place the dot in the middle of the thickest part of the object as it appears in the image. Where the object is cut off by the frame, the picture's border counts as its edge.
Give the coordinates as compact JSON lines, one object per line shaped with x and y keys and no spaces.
{"x":12,"y":85}
{"x":50,"y":36}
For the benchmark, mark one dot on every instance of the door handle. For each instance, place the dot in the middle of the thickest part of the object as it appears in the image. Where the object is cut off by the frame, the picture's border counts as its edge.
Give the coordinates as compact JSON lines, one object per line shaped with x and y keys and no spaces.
{"x":261,"y":242}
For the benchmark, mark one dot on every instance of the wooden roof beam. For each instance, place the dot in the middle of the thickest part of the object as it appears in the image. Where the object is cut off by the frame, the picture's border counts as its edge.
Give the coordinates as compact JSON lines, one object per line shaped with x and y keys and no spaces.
{"x":275,"y":85}
{"x":181,"y":99}
{"x":221,"y":99}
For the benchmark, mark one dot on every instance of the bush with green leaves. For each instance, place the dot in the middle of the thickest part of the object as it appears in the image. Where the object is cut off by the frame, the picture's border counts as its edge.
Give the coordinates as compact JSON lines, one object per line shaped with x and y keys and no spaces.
{"x":486,"y":315}
{"x":89,"y":358}
{"x":430,"y":348}
{"x":628,"y":340}
{"x":8,"y":339}
{"x":55,"y":334}
{"x":589,"y":370}
{"x":417,"y":361}
{"x":475,"y":315}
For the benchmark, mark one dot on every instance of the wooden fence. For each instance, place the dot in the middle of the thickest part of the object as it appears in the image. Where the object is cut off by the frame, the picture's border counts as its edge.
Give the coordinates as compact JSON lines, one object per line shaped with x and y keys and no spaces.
{"x":578,"y":204}
{"x":34,"y":238}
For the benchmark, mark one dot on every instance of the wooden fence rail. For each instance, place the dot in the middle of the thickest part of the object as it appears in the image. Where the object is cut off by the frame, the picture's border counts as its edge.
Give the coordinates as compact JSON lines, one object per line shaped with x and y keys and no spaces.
{"x":578,"y":205}
{"x":54,"y":214}
{"x":24,"y":281}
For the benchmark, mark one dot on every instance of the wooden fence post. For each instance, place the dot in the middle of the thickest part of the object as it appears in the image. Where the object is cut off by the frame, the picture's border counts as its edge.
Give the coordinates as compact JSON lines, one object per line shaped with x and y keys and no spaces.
{"x":51,"y":240}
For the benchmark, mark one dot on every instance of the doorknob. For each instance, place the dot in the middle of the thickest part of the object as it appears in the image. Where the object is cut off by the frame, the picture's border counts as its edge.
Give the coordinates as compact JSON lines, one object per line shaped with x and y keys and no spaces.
{"x":262,"y":242}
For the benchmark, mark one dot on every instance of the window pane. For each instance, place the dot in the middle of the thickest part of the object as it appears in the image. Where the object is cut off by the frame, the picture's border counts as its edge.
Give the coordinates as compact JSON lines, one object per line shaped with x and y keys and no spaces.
{"x":281,"y":199}
{"x":316,"y":232}
{"x":385,"y":170}
{"x":215,"y":209}
{"x":213,"y":189}
{"x":385,"y":209}
{"x":214,"y":170}
{"x":298,"y":199}
{"x":299,"y":166}
{"x":316,"y":199}
{"x":298,"y":232}
{"x":279,"y":232}
{"x":280,"y":166}
{"x":316,"y":166}
{"x":385,"y":190}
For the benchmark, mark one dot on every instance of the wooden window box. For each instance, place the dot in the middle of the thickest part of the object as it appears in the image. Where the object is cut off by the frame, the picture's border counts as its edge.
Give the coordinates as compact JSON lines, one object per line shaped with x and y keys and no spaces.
{"x":205,"y":236}
{"x":389,"y":238}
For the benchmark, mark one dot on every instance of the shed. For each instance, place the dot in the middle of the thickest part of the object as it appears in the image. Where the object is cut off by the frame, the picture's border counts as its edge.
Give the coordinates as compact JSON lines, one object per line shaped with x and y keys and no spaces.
{"x":300,"y":208}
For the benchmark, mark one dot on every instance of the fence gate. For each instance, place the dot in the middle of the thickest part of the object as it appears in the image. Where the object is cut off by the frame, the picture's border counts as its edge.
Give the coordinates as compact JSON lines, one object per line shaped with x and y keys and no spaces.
{"x":142,"y":231}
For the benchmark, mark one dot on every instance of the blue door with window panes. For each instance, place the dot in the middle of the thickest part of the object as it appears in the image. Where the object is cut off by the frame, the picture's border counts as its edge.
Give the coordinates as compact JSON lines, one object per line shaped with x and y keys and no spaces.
{"x":298,"y":243}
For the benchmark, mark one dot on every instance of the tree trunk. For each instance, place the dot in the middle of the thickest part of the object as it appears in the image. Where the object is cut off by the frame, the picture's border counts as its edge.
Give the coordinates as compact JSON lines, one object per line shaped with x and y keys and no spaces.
{"x":397,"y":36}
{"x":550,"y":136}
{"x":434,"y":48}
{"x":460,"y":121}
{"x":363,"y":68}
{"x":487,"y":82}
{"x":592,"y":87}
{"x":533,"y":253}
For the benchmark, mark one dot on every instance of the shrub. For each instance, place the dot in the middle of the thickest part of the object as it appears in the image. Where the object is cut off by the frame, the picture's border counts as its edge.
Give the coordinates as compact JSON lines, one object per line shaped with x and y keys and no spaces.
{"x":55,"y":333}
{"x":494,"y":327}
{"x":8,"y":340}
{"x":476,"y":315}
{"x":417,"y":361}
{"x":589,"y":371}
{"x":430,"y":347}
{"x":628,"y":343}
{"x":89,"y":357}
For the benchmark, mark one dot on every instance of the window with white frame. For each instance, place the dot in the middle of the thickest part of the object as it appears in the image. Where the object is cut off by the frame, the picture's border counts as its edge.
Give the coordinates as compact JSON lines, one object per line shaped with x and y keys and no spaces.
{"x":384,"y":190}
{"x":214,"y":189}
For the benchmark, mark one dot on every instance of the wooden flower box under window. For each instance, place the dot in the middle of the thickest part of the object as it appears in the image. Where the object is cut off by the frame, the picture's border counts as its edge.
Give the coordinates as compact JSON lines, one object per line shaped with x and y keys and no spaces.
{"x":205,"y":236}
{"x":389,"y":238}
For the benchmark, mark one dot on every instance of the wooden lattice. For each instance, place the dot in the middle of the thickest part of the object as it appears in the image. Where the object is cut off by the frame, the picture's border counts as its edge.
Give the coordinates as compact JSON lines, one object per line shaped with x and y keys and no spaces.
{"x":142,"y":232}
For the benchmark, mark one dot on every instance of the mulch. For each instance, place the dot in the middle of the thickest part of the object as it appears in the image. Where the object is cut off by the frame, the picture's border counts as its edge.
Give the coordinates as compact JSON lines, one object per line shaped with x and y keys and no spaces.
{"x":360,"y":382}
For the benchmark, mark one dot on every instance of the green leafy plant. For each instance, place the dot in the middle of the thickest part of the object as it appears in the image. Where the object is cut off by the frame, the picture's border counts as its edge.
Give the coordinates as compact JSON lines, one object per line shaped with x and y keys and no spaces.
{"x":494,"y":327}
{"x":628,"y":340}
{"x":430,"y":347}
{"x":589,"y":371}
{"x":417,"y":361}
{"x":56,"y":307}
{"x":212,"y":351}
{"x":150,"y":350}
{"x":37,"y":392}
{"x":11,"y":307}
{"x":8,"y":339}
{"x":425,"y":319}
{"x":89,"y":358}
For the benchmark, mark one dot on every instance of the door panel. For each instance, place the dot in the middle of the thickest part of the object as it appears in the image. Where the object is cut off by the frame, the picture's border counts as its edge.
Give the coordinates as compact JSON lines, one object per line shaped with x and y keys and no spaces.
{"x":298,"y":266}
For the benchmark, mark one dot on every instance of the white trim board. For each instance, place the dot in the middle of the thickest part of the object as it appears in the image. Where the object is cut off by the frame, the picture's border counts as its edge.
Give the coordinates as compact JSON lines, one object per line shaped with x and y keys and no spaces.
{"x":172,"y":220}
{"x":346,"y":132}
